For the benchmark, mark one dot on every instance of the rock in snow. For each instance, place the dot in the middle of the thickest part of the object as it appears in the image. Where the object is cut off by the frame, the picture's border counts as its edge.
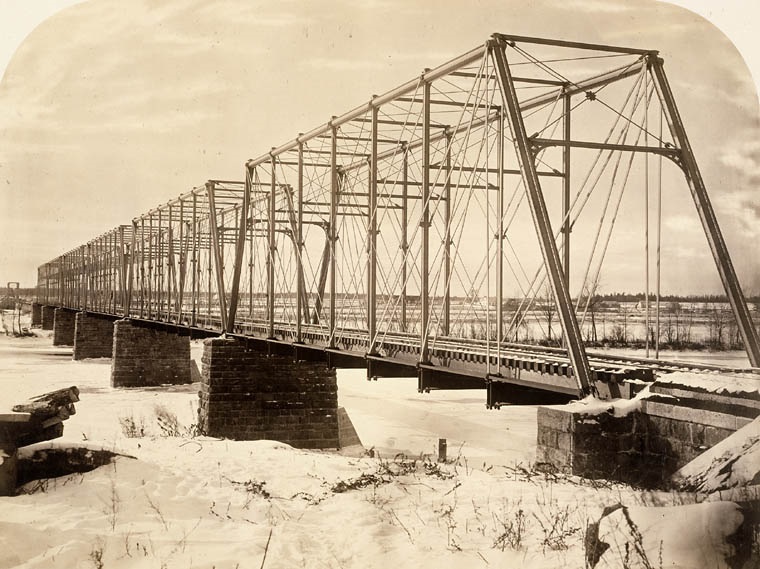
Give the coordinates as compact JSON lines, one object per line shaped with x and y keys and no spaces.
{"x":692,"y":536}
{"x":732,"y":463}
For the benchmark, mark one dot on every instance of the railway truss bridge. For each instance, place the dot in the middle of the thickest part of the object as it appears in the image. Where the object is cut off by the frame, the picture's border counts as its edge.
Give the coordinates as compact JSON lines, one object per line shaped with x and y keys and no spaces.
{"x":418,"y":233}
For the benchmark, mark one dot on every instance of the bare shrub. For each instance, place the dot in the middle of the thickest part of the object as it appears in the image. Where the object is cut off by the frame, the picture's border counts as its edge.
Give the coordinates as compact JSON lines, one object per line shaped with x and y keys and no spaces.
{"x":510,"y":528}
{"x":167,"y":421}
{"x":131,"y":428}
{"x":96,"y":555}
{"x":253,"y":488}
{"x":556,"y":526}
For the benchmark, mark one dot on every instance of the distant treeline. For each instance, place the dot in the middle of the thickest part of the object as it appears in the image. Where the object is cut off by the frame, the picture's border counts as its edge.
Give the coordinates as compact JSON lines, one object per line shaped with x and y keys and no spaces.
{"x":22,"y":292}
{"x":636,"y":297}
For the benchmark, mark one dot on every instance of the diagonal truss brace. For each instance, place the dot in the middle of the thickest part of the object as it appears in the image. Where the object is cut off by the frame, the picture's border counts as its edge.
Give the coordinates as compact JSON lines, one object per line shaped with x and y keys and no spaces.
{"x":214,"y":230}
{"x":576,"y":351}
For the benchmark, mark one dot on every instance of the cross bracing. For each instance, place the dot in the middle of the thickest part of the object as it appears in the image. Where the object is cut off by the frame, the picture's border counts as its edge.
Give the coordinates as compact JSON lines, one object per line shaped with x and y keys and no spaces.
{"x":423,"y":227}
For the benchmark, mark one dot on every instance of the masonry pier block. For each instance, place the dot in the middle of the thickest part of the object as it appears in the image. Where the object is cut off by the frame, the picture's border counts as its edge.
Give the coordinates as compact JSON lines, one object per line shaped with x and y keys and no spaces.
{"x":63,"y":327}
{"x":672,"y":426}
{"x":93,"y":337}
{"x":36,"y":314}
{"x":48,"y":317}
{"x":144,"y":356}
{"x":247,"y":395}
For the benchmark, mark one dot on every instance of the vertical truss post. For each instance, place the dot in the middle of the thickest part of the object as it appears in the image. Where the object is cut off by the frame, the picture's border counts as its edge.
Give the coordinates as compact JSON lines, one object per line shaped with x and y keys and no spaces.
{"x":302,"y":310}
{"x":252,"y":174}
{"x":575,"y":347}
{"x":83,"y":276}
{"x":131,"y":274}
{"x":103,"y":287}
{"x":404,"y":230}
{"x":160,"y":264}
{"x":332,"y":230}
{"x":104,"y":273}
{"x":150,"y":265}
{"x":210,"y":270}
{"x":425,"y":225}
{"x":87,"y":258}
{"x":567,"y":106}
{"x":566,"y":188}
{"x":142,"y":267}
{"x":272,"y":246}
{"x":64,"y":281}
{"x":122,"y":270}
{"x":183,"y":240}
{"x":78,"y":277}
{"x":219,"y":269}
{"x":372,"y":237}
{"x":47,"y":284}
{"x":59,"y":300}
{"x":99,"y":274}
{"x":447,"y":239}
{"x":115,"y":257}
{"x":171,"y":272}
{"x":73,"y":279}
{"x":239,"y":252}
{"x":111,"y":275}
{"x":500,"y":238}
{"x":195,"y":267}
{"x":707,"y":215}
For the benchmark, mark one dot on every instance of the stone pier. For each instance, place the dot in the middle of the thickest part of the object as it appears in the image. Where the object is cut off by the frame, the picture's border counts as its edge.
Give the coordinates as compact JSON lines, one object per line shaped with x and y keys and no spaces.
{"x":63,"y":327}
{"x":247,"y":395}
{"x":48,"y":317}
{"x":36,"y":314}
{"x":644,"y":444}
{"x":144,"y":356}
{"x":93,"y":336}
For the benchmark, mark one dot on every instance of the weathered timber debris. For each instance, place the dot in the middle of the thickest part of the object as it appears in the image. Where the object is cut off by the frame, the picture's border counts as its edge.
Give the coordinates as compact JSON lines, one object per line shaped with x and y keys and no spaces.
{"x":36,"y":420}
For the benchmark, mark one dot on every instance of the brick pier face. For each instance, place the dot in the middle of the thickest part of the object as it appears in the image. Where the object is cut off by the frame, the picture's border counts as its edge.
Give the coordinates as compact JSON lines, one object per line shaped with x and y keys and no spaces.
{"x":63,"y":327}
{"x":36,"y":314}
{"x":93,"y":337}
{"x":145,"y":356}
{"x":247,"y":395}
{"x":48,"y":317}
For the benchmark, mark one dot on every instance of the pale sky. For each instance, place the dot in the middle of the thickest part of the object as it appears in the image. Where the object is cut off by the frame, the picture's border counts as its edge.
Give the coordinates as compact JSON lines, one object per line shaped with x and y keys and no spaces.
{"x":108,"y":108}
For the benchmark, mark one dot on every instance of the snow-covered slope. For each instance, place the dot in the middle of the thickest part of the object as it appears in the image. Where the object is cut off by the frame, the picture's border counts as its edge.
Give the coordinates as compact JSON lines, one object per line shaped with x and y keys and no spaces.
{"x":181,"y":501}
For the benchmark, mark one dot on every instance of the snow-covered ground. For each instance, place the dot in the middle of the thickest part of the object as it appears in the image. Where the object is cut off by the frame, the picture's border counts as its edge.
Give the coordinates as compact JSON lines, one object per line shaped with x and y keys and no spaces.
{"x":184,"y":501}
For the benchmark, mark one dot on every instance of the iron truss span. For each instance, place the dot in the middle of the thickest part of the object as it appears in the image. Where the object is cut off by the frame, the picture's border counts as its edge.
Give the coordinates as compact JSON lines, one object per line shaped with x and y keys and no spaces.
{"x":424,"y":231}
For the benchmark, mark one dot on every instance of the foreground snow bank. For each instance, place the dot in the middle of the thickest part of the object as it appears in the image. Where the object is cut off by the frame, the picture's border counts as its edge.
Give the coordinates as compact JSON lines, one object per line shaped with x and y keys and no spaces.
{"x":177,"y":501}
